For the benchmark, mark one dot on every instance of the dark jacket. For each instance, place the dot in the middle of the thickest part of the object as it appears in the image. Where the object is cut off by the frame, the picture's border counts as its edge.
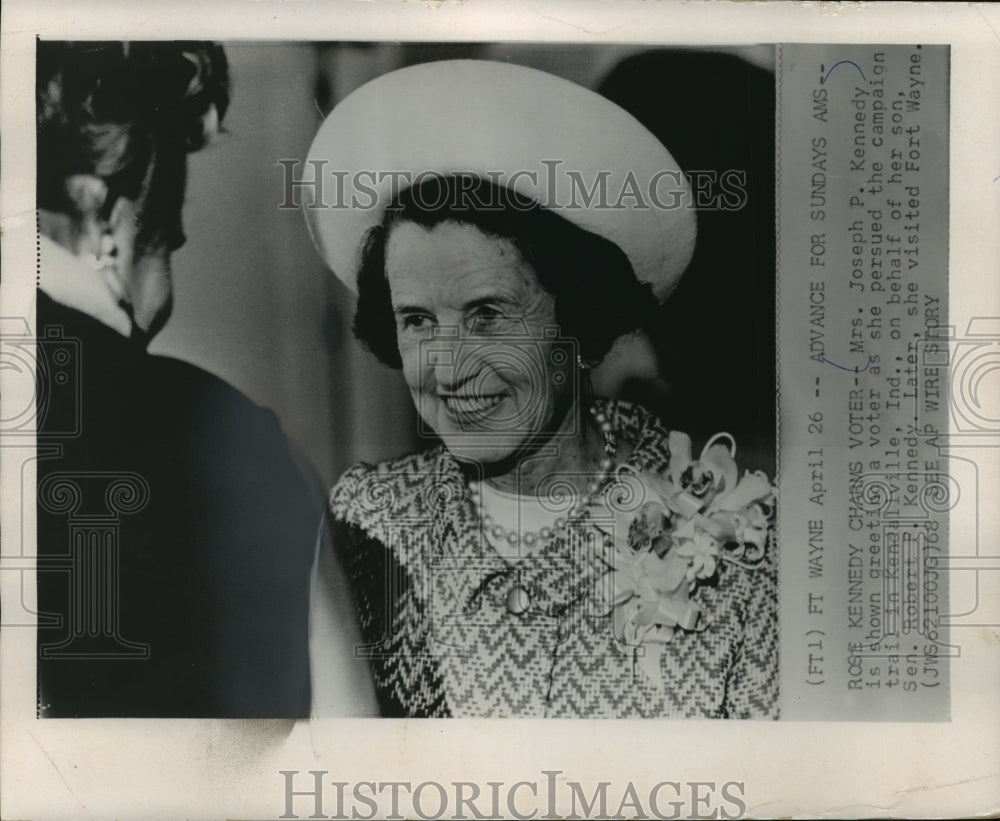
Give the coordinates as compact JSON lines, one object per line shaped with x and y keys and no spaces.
{"x":175,"y":537}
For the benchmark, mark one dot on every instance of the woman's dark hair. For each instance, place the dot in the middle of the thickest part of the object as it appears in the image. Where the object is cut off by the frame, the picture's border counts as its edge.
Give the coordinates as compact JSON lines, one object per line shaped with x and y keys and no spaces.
{"x":128,"y":113}
{"x":597,"y":295}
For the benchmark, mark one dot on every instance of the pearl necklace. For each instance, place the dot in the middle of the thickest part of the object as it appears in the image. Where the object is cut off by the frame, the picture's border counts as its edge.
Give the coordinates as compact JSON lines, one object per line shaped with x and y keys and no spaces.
{"x":514,"y":537}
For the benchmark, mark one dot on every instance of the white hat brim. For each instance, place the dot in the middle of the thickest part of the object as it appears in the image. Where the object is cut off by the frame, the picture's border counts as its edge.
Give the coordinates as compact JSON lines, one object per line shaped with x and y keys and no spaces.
{"x":543,"y":136}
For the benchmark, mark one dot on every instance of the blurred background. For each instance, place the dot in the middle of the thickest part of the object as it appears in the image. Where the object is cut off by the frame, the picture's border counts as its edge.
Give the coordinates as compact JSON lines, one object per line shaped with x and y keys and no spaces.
{"x":254,"y":303}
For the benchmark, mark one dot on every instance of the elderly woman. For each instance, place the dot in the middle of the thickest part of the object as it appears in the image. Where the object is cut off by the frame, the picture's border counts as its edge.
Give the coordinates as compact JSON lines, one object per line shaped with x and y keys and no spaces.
{"x":555,"y":553}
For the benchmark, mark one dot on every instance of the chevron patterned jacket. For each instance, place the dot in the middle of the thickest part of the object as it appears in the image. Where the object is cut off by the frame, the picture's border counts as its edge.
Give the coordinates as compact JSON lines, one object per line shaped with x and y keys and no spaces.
{"x":431,"y":596}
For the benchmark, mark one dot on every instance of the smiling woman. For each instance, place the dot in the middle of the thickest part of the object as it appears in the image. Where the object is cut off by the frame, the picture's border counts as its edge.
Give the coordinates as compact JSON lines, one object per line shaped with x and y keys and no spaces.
{"x":463,"y":279}
{"x":489,"y":313}
{"x":555,"y":553}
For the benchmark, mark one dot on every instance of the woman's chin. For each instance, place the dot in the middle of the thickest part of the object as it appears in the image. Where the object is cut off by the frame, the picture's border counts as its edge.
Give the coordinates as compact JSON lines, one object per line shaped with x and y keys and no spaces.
{"x":481,"y":449}
{"x":488,"y":438}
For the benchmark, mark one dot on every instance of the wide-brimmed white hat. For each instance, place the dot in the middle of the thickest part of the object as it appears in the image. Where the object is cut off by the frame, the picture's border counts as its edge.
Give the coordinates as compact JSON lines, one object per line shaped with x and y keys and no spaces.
{"x":562,"y":145}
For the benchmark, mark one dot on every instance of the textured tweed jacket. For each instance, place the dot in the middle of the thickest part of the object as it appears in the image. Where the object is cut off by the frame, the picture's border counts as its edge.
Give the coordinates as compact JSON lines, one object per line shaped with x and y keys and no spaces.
{"x":431,"y":597}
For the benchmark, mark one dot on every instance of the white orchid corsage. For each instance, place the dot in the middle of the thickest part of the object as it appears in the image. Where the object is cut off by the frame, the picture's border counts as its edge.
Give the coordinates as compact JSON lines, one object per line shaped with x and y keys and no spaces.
{"x":668,"y":534}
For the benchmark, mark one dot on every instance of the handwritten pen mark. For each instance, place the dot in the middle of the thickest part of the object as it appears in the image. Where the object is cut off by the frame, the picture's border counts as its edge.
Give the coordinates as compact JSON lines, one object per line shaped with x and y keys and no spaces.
{"x":841,"y":63}
{"x":823,"y":358}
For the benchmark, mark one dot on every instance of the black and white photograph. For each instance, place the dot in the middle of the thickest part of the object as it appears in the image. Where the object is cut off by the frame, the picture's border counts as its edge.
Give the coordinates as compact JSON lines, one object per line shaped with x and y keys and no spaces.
{"x":368,"y":371}
{"x":559,"y":261}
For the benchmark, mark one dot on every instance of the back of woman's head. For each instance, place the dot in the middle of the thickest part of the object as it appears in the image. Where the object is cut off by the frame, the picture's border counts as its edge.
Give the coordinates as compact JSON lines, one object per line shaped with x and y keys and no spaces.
{"x":113,"y":110}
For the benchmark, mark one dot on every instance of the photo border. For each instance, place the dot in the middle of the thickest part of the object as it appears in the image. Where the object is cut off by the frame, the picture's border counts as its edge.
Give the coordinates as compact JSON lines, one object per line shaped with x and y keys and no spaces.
{"x":214,"y":769}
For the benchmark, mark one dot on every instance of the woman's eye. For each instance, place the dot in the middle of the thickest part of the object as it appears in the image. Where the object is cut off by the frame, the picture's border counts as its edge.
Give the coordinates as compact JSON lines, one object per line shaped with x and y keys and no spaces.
{"x":487,"y":318}
{"x":415,"y":322}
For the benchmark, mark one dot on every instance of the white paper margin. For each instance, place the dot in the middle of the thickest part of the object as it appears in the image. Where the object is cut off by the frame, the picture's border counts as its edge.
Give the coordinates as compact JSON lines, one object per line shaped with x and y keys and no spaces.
{"x":219,"y":769}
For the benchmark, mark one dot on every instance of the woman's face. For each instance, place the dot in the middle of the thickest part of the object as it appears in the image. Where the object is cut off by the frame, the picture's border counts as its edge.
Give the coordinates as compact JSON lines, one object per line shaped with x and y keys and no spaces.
{"x":478,"y":340}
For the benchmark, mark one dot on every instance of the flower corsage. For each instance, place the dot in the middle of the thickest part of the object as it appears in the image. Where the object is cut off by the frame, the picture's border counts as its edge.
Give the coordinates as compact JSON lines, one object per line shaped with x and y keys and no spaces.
{"x":668,"y":533}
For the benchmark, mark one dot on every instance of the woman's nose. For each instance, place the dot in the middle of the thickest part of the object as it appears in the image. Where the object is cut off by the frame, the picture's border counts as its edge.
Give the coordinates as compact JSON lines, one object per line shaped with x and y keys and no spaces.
{"x":442,"y":355}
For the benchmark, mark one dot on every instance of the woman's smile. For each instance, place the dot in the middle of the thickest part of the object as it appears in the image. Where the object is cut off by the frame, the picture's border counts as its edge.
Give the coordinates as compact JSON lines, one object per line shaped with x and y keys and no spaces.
{"x":470,"y":405}
{"x":473,"y":329}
